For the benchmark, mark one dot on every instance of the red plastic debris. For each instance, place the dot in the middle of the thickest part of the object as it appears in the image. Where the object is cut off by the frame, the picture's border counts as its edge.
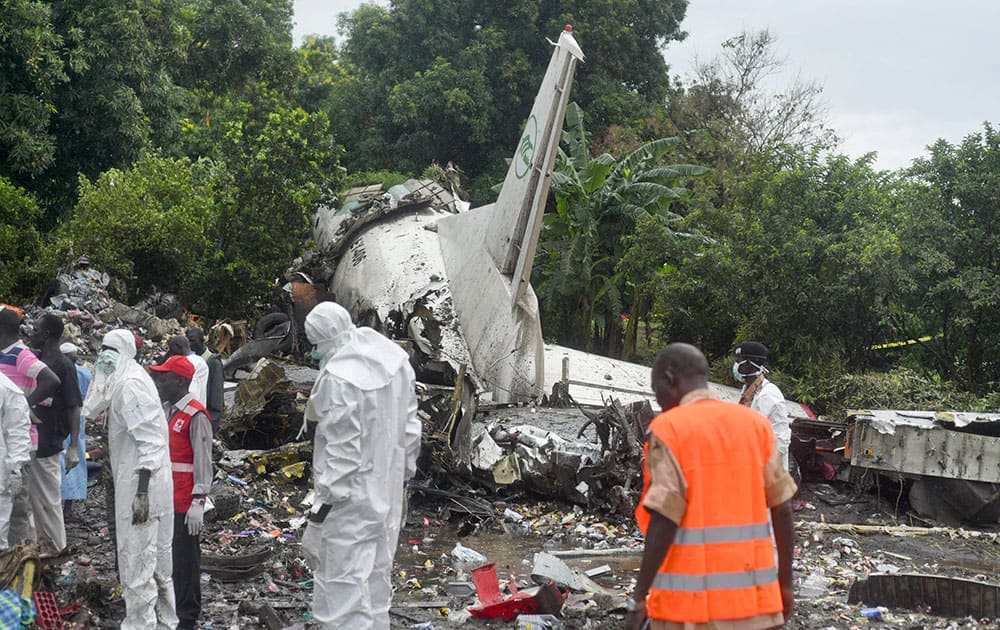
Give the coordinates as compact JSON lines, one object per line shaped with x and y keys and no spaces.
{"x":48,"y":612}
{"x":69,"y":610}
{"x":492,"y":604}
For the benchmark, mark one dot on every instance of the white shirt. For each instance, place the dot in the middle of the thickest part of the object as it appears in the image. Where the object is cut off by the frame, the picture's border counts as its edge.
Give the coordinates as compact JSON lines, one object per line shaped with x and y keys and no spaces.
{"x":199,"y":384}
{"x":15,"y":440}
{"x":770,"y":402}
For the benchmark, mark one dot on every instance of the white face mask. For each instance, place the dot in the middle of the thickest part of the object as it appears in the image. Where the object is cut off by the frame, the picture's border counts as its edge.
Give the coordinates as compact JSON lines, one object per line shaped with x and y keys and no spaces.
{"x":739,"y":378}
{"x":107,"y":361}
{"x":742,"y":378}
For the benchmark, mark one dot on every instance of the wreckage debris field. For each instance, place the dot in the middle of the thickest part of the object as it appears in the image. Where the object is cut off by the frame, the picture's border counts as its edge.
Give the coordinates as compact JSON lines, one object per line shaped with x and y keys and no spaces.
{"x":836,"y":545}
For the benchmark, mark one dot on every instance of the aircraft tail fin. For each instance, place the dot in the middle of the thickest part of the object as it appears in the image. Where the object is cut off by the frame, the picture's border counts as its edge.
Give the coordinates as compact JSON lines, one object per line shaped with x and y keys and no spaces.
{"x":488,"y":252}
{"x":512,"y":233}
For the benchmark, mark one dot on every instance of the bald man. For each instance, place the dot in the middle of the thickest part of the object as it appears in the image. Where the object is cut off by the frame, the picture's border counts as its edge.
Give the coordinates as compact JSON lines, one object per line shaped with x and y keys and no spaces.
{"x":714,"y":483}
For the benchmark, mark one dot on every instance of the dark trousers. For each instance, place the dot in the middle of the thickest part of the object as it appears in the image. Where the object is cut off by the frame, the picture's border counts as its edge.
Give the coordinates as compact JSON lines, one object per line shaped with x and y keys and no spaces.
{"x":187,"y":574}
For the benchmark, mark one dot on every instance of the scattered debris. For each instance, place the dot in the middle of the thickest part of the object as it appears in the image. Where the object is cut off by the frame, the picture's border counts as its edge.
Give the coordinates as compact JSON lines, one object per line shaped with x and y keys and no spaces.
{"x":267,"y":411}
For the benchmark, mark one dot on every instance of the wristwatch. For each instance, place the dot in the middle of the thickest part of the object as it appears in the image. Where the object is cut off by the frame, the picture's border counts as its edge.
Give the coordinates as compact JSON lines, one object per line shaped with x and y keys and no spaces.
{"x":631,"y":605}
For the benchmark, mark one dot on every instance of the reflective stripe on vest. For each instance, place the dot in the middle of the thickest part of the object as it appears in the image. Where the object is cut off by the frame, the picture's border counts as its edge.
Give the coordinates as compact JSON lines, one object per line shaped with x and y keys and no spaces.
{"x":724,"y":534}
{"x":714,"y":581}
{"x":179,"y":467}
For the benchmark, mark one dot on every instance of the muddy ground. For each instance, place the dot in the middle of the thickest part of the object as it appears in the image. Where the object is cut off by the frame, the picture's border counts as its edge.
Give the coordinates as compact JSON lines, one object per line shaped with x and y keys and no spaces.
{"x":827,"y":562}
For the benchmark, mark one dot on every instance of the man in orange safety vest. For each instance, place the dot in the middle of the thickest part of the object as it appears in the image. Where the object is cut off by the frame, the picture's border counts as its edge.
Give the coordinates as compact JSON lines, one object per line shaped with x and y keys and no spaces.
{"x":714,"y":510}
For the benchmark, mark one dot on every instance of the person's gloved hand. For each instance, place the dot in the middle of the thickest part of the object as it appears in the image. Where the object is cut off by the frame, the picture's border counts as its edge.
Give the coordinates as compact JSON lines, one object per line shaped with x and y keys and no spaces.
{"x":72,"y":458}
{"x":15,"y":481}
{"x":140,"y":508}
{"x":195,"y":517}
{"x":311,"y":544}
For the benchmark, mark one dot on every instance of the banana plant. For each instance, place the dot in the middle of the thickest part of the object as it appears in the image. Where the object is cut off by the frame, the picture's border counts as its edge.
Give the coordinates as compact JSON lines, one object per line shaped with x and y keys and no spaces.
{"x":599,"y":201}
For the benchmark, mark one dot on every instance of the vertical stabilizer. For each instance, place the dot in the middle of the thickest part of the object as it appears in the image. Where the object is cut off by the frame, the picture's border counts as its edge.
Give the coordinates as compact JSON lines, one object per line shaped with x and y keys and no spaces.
{"x":488,"y":252}
{"x":512,"y":233}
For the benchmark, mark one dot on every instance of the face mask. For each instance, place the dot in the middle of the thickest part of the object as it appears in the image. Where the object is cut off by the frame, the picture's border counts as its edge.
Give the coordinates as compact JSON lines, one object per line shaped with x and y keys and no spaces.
{"x":316,"y":356}
{"x":739,"y":378}
{"x":107,"y":361}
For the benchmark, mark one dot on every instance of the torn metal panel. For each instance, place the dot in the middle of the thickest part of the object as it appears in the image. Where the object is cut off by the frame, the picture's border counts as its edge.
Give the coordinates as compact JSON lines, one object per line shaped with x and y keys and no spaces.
{"x":941,"y":595}
{"x":553,"y":452}
{"x":593,"y":380}
{"x":267,"y":411}
{"x":392,"y":279}
{"x":334,"y":226}
{"x":913,"y":444}
{"x":956,"y":501}
{"x":550,"y":568}
{"x":886,"y":420}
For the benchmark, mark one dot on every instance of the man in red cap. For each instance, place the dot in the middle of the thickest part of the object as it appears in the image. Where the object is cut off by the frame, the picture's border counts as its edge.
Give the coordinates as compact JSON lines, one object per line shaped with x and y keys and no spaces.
{"x":190,"y":433}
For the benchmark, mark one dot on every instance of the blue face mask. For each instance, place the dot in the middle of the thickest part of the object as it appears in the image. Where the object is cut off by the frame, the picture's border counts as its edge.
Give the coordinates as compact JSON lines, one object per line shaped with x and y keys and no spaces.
{"x":107,"y":361}
{"x":316,"y":356}
{"x":739,"y":378}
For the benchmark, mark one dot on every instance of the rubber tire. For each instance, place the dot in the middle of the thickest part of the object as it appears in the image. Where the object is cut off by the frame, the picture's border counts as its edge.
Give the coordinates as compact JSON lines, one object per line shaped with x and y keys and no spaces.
{"x":267,"y":322}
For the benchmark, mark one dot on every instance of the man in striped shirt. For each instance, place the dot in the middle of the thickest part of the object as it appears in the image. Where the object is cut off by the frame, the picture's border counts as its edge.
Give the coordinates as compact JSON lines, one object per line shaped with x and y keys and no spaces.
{"x":39,"y":384}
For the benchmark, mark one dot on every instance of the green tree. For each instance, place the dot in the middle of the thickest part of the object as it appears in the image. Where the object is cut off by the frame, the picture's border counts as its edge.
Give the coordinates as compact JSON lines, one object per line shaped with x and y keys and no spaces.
{"x":120,"y":98}
{"x":280,"y":164}
{"x":807,"y":259}
{"x":32,"y":69}
{"x":951,"y":235}
{"x":599,"y":201}
{"x":236,"y":44}
{"x":147,"y":224}
{"x":453,"y":80}
{"x":20,"y":244}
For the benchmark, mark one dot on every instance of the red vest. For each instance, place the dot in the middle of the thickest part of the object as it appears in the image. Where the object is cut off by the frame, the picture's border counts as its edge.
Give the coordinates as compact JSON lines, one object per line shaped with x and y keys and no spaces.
{"x":722,"y":562}
{"x":182,"y":454}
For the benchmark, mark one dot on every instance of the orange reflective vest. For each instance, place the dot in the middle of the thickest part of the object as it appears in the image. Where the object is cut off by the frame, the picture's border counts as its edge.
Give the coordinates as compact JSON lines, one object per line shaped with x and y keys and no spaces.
{"x":722,"y":563}
{"x":641,"y":513}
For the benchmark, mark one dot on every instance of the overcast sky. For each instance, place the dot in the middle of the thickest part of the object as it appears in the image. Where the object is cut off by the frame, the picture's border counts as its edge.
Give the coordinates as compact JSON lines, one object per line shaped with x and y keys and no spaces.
{"x":897,"y":75}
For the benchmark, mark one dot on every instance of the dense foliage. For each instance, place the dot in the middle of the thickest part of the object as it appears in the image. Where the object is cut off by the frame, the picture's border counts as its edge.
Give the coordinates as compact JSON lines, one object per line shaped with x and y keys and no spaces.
{"x":453,"y":80}
{"x":184,"y":144}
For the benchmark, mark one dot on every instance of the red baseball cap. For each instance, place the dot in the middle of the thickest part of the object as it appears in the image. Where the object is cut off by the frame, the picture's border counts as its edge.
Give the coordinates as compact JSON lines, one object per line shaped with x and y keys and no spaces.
{"x":178,"y":365}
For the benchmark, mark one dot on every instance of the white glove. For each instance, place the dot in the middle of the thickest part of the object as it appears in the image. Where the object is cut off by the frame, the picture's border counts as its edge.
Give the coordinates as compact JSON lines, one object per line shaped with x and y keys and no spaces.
{"x":311,"y":542}
{"x":15,"y":481}
{"x":195,"y":517}
{"x":72,"y":458}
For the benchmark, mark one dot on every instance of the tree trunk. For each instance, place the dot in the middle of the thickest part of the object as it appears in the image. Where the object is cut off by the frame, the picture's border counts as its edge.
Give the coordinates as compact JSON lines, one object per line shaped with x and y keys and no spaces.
{"x":632,"y":329}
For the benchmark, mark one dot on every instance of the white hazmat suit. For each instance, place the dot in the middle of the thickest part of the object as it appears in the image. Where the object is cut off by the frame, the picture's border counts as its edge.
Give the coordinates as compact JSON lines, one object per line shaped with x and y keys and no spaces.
{"x":366,"y":446}
{"x":137,"y":439}
{"x":15,"y":448}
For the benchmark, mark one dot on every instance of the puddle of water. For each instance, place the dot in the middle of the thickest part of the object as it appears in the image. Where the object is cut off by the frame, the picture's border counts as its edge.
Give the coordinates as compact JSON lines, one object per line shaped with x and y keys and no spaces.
{"x":513,"y":554}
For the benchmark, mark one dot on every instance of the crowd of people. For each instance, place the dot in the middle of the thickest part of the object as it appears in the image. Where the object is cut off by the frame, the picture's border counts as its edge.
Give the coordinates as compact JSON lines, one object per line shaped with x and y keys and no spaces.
{"x":714,"y":509}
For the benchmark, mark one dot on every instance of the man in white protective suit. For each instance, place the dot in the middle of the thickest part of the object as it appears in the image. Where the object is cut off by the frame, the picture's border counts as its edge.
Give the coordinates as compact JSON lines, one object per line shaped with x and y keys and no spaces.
{"x":366,"y":446}
{"x":15,"y":449}
{"x":140,"y":458}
